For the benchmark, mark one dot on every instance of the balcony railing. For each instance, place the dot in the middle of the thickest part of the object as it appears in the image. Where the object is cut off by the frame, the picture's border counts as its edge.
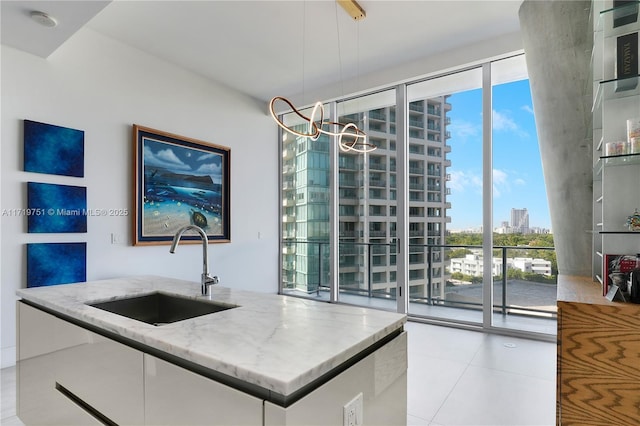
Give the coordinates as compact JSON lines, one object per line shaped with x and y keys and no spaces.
{"x":377,"y":183}
{"x":511,"y":286}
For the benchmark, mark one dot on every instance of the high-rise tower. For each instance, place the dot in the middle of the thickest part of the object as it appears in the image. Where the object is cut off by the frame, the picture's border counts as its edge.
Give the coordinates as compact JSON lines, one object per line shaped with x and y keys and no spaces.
{"x":520,"y":221}
{"x":368,"y":204}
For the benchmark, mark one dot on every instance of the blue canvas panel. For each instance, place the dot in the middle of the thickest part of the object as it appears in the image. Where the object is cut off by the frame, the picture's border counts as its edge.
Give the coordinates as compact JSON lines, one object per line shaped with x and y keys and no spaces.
{"x":56,"y":263}
{"x":53,"y":149}
{"x":56,"y":208}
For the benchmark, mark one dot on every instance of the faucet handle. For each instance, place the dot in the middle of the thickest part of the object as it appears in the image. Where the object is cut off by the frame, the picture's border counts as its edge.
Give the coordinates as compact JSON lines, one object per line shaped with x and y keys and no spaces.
{"x":209,"y":280}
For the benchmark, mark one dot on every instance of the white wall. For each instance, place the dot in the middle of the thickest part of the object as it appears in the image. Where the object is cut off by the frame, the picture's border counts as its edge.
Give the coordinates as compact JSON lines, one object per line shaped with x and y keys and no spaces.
{"x":100,"y":86}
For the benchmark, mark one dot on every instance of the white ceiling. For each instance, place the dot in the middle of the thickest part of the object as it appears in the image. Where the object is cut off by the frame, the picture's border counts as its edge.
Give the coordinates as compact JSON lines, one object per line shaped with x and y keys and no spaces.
{"x":266,"y":48}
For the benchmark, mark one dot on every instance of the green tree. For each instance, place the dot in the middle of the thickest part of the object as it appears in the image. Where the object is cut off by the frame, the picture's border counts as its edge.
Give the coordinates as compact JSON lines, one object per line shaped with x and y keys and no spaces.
{"x":515,"y":274}
{"x":458,"y":253}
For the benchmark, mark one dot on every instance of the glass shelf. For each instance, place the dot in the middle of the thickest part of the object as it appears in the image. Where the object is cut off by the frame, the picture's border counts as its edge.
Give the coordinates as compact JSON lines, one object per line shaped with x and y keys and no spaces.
{"x":621,"y":232}
{"x":620,"y":160}
{"x":614,"y":160}
{"x":606,"y":90}
{"x":623,"y":13}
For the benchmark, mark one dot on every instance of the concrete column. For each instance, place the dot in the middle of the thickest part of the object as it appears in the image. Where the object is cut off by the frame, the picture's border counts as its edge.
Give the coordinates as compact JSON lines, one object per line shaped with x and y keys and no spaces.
{"x":558,"y":38}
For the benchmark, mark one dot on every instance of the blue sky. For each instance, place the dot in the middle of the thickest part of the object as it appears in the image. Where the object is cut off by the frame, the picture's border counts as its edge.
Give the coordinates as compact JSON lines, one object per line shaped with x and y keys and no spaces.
{"x":517,"y":170}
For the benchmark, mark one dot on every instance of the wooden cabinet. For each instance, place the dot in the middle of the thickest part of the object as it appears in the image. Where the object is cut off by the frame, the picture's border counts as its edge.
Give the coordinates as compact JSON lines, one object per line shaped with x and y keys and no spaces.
{"x":598,"y":357}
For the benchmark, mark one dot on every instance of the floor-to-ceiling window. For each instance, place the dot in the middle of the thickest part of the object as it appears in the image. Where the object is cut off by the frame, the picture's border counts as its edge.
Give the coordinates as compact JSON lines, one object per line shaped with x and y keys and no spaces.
{"x":305,"y":210}
{"x":418,"y":212}
{"x":453,"y":202}
{"x":525,"y":278}
{"x":367,"y":200}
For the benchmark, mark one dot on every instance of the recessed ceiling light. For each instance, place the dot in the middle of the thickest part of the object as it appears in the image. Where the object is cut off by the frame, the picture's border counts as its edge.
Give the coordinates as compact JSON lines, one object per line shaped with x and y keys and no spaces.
{"x":44,"y":19}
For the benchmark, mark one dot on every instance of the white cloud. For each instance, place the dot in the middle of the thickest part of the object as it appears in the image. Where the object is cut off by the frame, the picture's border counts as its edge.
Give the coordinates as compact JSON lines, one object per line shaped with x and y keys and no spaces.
{"x":467,"y":180}
{"x":463,"y":130}
{"x":503,"y":123}
{"x":501,"y":183}
{"x":164,"y":158}
{"x":499,"y":176}
{"x":461,"y":181}
{"x":211,"y":169}
{"x":527,"y":108}
{"x":204,"y":157}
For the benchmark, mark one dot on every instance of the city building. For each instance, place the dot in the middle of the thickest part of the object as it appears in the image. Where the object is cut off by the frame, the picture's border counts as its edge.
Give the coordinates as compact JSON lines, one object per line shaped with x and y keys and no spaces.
{"x":519,"y":224}
{"x":367,"y":204}
{"x":520,"y":221}
{"x":472,"y":264}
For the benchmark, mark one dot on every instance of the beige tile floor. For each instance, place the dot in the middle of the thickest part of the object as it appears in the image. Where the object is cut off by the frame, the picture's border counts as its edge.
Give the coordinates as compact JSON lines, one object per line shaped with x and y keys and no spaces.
{"x":456,"y":377}
{"x":460,"y":377}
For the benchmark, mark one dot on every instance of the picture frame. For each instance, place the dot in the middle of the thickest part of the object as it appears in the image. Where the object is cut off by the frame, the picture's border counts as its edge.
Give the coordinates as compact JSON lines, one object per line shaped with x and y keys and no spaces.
{"x":179,"y":181}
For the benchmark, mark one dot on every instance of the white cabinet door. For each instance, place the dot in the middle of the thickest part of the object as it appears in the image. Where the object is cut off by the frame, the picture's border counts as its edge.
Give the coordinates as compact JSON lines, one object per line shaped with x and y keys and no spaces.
{"x":107,"y":376}
{"x":381,"y":378}
{"x":176,"y":396}
{"x":39,"y":402}
{"x":57,"y":359}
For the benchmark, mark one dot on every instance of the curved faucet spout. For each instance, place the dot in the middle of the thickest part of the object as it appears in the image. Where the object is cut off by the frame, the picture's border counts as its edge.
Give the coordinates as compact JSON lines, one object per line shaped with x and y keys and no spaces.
{"x":206,"y":279}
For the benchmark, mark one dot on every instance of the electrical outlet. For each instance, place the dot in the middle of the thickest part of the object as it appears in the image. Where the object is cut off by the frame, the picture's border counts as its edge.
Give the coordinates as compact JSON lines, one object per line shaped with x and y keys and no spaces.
{"x":353,"y":411}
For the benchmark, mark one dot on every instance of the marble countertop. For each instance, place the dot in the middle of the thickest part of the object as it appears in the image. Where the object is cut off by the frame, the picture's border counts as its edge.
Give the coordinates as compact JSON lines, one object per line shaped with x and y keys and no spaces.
{"x":276,"y":342}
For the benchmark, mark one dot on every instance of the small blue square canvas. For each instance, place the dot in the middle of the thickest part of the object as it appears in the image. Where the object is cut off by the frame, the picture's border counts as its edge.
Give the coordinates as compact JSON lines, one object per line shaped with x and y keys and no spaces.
{"x":53,"y":149}
{"x":56,"y":263}
{"x":56,"y":208}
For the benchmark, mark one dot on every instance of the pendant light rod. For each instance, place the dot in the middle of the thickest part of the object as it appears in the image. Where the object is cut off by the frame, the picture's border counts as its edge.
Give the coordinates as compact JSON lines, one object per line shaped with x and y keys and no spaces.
{"x":353,"y":9}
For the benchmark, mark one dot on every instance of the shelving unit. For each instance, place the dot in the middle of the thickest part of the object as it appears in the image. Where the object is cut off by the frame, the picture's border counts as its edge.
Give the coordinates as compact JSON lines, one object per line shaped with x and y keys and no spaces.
{"x":598,"y":377}
{"x":616,"y":178}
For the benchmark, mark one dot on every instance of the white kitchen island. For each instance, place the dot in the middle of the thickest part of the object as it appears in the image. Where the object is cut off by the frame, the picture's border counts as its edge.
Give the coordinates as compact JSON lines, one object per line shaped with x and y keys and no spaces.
{"x":270,"y":360}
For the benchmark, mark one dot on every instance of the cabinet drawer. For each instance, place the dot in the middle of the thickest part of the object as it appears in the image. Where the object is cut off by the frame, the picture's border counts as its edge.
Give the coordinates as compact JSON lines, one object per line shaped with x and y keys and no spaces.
{"x":175,"y":396}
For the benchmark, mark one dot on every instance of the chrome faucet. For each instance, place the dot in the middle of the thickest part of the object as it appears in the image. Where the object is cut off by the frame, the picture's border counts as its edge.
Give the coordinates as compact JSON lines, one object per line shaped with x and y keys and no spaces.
{"x":206,"y":280}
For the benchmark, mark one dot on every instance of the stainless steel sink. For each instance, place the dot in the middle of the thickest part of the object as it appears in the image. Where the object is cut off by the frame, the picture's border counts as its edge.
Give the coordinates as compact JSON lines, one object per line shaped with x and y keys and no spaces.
{"x":161,"y":308}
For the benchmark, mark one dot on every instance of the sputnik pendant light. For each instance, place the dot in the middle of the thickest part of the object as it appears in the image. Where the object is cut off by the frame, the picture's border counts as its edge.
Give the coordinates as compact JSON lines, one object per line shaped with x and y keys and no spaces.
{"x":350,"y":137}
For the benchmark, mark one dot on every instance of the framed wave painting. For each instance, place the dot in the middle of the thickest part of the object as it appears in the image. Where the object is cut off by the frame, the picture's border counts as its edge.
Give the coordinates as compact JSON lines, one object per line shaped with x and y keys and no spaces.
{"x":179,"y":181}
